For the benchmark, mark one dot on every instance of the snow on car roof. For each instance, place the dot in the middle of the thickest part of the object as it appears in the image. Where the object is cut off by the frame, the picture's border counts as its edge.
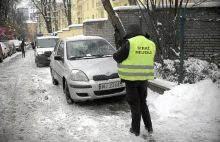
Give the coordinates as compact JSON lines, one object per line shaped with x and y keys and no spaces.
{"x":82,"y":37}
{"x":45,"y":37}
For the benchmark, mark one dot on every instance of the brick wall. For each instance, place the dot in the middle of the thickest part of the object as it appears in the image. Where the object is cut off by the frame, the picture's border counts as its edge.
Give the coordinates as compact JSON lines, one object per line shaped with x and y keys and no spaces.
{"x":101,"y":28}
{"x":202,"y":33}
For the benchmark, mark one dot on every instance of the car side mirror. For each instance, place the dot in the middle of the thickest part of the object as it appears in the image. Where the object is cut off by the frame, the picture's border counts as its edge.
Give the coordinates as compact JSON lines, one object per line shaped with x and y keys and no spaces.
{"x":58,"y":57}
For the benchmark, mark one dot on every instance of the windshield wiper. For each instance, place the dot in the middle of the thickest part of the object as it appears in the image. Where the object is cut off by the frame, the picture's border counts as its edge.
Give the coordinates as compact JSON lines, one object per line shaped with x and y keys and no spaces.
{"x":75,"y":57}
{"x":101,"y":55}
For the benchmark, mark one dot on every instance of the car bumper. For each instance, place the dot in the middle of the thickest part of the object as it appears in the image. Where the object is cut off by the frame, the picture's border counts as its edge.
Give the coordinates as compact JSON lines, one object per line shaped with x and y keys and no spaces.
{"x":41,"y":59}
{"x":81,"y":91}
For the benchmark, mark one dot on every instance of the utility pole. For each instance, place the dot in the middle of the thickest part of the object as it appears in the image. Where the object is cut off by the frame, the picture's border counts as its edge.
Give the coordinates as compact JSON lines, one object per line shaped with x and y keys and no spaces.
{"x":182,"y":20}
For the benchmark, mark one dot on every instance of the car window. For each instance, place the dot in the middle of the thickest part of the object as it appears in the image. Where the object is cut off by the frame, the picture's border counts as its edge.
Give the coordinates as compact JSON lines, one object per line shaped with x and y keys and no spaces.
{"x":47,"y":42}
{"x":60,"y":50}
{"x":84,"y":48}
{"x":56,"y":46}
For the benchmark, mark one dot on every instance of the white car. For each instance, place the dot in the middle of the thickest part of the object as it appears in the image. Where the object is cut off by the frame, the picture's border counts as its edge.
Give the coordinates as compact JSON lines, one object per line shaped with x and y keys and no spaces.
{"x":4,"y":50}
{"x":43,"y":48}
{"x":85,"y":68}
{"x":16,"y":44}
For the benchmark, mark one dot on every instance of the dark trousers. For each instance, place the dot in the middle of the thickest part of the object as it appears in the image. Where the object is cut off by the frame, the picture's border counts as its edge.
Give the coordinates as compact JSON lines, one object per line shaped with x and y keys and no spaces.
{"x":23,"y":54}
{"x":136,"y":93}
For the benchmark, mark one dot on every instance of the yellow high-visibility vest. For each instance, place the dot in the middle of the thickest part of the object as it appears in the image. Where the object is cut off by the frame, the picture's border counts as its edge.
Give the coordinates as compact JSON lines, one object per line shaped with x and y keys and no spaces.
{"x":139,"y":64}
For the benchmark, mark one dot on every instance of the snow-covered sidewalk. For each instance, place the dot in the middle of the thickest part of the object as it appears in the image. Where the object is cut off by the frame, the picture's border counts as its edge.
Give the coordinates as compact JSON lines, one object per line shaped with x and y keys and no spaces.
{"x":32,"y":109}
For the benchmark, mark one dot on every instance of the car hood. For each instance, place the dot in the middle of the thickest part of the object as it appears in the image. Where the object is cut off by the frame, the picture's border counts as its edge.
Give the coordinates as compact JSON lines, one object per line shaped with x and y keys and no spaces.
{"x":44,"y":49}
{"x":96,"y":66}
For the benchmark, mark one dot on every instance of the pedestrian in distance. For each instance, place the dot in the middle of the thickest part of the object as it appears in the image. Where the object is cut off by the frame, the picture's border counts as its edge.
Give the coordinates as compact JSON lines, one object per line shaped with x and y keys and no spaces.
{"x":22,"y":48}
{"x":135,"y":60}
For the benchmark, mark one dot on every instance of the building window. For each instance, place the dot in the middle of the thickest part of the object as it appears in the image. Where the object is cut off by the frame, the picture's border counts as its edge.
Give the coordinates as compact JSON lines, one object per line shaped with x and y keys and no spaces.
{"x":92,"y":3}
{"x":102,"y":14}
{"x":93,"y":17}
{"x":87,"y":6}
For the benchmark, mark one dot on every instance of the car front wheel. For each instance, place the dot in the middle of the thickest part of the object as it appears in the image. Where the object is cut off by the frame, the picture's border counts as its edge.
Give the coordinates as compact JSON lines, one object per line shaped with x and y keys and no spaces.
{"x":67,"y":92}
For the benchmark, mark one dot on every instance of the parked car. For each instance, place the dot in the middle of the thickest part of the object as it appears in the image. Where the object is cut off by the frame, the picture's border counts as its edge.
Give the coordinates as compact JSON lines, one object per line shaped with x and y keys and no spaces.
{"x":16,"y":44}
{"x":9,"y":48}
{"x":12,"y":46}
{"x":43,"y":49}
{"x":4,"y":50}
{"x":85,"y":68}
{"x":1,"y":54}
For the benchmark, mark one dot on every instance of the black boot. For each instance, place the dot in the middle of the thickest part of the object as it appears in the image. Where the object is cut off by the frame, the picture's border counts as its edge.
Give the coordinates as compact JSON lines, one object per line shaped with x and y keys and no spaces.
{"x":132,"y":131}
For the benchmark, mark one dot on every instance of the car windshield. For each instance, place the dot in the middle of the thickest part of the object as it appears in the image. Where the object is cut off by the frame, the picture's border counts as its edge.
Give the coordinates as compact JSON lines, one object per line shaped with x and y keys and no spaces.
{"x":89,"y":49}
{"x":47,"y":42}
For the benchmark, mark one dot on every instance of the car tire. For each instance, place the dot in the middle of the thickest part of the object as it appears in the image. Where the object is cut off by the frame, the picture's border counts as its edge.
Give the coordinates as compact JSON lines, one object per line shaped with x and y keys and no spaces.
{"x":37,"y":64}
{"x":67,"y":93}
{"x":54,"y":81}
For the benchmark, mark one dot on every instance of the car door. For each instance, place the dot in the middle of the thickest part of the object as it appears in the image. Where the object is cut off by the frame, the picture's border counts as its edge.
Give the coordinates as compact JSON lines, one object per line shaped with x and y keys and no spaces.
{"x":59,"y":64}
{"x":53,"y":62}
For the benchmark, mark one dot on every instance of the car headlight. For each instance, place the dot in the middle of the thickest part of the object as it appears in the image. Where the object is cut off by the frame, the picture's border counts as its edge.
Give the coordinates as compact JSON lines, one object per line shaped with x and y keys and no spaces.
{"x":40,"y":53}
{"x":77,"y":75}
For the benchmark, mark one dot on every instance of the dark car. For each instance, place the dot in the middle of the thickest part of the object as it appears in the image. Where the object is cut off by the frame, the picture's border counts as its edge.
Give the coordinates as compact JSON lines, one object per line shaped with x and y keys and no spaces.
{"x":43,"y":49}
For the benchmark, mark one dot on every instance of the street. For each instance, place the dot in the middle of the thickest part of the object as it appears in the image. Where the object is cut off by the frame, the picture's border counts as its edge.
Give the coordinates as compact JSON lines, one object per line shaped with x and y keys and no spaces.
{"x":33,"y":109}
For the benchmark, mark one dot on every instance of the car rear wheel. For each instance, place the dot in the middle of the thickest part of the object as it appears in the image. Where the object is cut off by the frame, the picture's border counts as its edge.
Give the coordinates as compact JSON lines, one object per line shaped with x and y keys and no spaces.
{"x":54,"y":81}
{"x":67,"y":92}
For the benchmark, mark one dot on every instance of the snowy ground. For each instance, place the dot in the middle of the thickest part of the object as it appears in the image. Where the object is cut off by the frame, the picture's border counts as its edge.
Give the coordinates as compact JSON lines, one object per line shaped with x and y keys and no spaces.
{"x":33,"y":110}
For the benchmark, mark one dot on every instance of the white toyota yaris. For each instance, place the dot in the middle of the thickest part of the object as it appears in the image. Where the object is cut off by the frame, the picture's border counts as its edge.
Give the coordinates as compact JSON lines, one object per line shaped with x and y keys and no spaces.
{"x":84,"y":66}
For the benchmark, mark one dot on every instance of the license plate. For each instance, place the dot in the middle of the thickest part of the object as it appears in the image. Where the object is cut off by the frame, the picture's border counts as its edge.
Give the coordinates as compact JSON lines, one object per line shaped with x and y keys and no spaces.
{"x":106,"y":86}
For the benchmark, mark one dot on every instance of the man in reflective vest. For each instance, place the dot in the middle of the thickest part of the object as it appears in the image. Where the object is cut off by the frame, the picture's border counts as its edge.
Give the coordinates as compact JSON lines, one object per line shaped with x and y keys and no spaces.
{"x":135,"y":61}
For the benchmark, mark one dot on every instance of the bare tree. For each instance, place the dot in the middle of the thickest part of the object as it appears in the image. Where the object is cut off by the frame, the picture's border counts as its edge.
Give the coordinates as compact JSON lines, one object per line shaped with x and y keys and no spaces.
{"x":67,"y":7}
{"x":55,"y":15}
{"x":44,"y":8}
{"x":11,"y":20}
{"x":118,"y":27}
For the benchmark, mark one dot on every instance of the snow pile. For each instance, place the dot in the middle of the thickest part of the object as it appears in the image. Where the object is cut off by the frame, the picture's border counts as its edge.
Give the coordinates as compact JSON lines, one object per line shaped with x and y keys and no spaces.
{"x":200,"y":100}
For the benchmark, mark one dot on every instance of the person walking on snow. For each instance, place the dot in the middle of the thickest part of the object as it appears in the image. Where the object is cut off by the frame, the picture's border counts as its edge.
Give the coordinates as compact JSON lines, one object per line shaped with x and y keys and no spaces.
{"x":135,"y":61}
{"x":22,"y":48}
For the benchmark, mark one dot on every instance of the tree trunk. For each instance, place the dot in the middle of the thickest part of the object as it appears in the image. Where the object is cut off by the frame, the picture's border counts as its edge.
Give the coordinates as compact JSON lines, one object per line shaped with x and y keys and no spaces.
{"x":55,"y":15}
{"x":118,"y":27}
{"x":67,"y":6}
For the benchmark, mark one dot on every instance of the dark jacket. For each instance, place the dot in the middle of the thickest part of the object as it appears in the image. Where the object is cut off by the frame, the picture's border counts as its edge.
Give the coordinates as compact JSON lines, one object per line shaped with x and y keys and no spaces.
{"x":22,"y":46}
{"x":122,"y":53}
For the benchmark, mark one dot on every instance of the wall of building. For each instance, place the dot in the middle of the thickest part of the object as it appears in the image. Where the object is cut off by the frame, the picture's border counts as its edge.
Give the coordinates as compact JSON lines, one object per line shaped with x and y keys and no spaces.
{"x":32,"y":31}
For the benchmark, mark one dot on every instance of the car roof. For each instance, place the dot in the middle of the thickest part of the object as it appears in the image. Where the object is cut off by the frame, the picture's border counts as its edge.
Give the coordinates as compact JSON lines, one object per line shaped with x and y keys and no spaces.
{"x":81,"y":37}
{"x":45,"y":37}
